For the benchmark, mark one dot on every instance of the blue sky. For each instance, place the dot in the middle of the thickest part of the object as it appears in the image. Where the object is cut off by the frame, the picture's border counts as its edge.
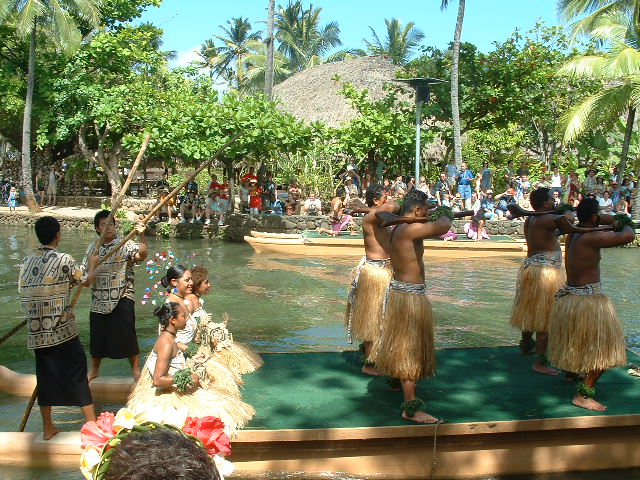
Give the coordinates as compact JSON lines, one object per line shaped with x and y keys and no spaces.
{"x":187,"y":23}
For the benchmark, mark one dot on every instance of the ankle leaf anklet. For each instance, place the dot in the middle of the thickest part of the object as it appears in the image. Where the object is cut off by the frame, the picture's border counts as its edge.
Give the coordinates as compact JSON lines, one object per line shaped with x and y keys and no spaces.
{"x":412,"y":406}
{"x":585,"y":391}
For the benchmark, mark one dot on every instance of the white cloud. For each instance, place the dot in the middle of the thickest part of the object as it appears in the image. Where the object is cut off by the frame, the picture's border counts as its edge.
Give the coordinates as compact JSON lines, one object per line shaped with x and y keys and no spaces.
{"x":185,"y":57}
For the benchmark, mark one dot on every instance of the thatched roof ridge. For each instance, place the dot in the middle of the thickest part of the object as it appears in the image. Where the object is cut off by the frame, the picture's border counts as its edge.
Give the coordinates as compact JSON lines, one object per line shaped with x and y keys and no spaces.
{"x":312,"y":94}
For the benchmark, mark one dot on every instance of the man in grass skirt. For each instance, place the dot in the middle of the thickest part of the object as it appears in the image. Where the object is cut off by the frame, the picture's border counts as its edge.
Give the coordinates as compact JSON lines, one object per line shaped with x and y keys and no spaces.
{"x":405,"y":348}
{"x":112,"y":318}
{"x":585,"y":335}
{"x":370,"y":279}
{"x":46,"y":278}
{"x":540,"y":277}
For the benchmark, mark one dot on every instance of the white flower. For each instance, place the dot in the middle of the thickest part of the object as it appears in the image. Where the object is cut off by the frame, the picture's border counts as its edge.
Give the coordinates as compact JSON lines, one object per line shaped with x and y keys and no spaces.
{"x":124,"y":419}
{"x":225,"y":467}
{"x":88,"y":461}
{"x":176,"y":417}
{"x":153,"y":414}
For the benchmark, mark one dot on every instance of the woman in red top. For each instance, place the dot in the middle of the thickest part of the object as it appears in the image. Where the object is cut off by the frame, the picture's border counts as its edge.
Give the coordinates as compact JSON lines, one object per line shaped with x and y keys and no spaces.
{"x":255,"y":197}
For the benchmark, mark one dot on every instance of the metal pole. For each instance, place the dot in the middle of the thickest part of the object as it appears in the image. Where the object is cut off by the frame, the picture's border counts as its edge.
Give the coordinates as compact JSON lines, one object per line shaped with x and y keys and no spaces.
{"x":418,"y":115}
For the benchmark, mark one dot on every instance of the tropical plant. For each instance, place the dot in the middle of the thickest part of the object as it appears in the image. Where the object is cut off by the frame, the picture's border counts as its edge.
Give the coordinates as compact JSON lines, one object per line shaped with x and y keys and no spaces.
{"x":302,"y":40}
{"x":455,"y":61}
{"x":399,"y":43}
{"x":229,"y":62}
{"x":59,"y":18}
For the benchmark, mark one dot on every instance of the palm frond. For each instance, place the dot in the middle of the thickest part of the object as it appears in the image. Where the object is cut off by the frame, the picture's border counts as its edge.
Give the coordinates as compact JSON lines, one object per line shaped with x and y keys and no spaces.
{"x":28,"y":14}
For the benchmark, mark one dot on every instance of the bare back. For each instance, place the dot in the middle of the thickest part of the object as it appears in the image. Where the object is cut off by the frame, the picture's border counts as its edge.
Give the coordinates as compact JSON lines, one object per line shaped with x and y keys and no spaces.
{"x":377,"y":239}
{"x":582,"y":254}
{"x":407,"y":248}
{"x":540,"y":233}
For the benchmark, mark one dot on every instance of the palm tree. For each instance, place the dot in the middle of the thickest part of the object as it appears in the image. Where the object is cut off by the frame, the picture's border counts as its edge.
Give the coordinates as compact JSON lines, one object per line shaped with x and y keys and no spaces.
{"x":257,"y":65}
{"x":58,"y":19}
{"x":231,"y":55}
{"x":616,"y":25}
{"x":399,"y":43}
{"x":455,"y":98}
{"x":302,"y":40}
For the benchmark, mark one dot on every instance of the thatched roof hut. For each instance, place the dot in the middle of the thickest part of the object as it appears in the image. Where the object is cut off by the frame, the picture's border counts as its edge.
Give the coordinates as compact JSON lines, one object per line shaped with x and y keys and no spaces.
{"x":312,"y":94}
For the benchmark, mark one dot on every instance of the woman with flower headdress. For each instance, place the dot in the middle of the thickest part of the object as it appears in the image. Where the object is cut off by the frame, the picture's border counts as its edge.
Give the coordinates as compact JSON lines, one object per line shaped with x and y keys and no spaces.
{"x":215,"y":339}
{"x":168,"y":382}
{"x":179,"y":283}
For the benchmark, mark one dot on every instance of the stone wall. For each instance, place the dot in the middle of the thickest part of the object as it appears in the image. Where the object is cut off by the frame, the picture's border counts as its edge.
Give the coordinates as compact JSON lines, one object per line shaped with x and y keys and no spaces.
{"x":29,"y":219}
{"x":134,"y":204}
{"x":242,"y":224}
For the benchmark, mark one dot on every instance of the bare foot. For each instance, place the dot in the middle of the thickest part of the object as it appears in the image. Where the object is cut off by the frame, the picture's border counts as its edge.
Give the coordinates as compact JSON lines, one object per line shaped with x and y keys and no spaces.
{"x":49,"y":433}
{"x":320,"y":232}
{"x":588,"y":403}
{"x":421,"y":417}
{"x":544,"y":369}
{"x":91,"y":376}
{"x":371,"y":370}
{"x":136,"y":376}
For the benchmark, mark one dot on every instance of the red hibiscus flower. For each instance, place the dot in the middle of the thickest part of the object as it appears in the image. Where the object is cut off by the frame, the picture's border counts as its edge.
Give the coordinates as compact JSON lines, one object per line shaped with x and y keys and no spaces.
{"x":99,"y":432}
{"x":210,"y":431}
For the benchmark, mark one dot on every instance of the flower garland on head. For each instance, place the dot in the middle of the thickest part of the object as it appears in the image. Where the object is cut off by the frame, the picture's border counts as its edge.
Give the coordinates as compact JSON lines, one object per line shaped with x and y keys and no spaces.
{"x":99,"y":438}
{"x":155,"y":268}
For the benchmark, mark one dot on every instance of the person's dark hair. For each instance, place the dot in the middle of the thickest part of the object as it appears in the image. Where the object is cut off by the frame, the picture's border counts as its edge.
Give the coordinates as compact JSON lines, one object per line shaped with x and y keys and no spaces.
{"x":99,"y":216}
{"x":166,"y":311}
{"x":539,"y":196}
{"x":160,"y":454}
{"x":46,"y":229}
{"x":173,"y":273}
{"x":341,"y":192}
{"x":415,"y":198}
{"x":199,"y":274}
{"x":587,"y":208}
{"x":374,"y":192}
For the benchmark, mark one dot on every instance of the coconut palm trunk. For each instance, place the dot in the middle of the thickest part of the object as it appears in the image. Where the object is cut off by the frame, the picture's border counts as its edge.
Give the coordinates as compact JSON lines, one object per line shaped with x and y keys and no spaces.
{"x":455,"y":97}
{"x":27,"y":182}
{"x":631,"y":118}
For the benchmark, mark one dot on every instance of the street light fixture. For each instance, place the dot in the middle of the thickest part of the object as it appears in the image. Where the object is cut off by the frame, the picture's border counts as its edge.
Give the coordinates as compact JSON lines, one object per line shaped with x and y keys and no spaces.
{"x":422,"y":87}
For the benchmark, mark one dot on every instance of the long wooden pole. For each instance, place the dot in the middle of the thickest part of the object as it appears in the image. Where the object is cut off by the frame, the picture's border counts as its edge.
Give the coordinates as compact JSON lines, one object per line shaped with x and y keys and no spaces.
{"x":172,"y":194}
{"x":114,"y":208}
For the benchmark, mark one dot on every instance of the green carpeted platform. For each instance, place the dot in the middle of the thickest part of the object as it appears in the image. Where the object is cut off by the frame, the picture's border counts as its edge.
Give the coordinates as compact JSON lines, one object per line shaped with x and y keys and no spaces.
{"x":327,"y":390}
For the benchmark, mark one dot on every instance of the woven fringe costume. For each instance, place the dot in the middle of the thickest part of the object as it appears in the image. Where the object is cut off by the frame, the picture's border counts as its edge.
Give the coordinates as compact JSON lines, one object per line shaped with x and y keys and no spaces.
{"x":585,"y":334}
{"x":539,"y":278}
{"x":405,"y":347}
{"x":199,"y":401}
{"x":217,"y":341}
{"x":369,"y":282}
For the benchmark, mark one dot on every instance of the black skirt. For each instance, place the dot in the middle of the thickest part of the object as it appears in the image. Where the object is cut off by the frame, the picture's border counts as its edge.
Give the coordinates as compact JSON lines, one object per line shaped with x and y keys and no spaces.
{"x":61,"y":372}
{"x":113,"y":335}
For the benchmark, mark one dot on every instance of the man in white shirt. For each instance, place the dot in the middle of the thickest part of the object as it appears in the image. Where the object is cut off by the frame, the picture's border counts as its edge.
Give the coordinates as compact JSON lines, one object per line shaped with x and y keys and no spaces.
{"x":606,"y":204}
{"x":312,"y":205}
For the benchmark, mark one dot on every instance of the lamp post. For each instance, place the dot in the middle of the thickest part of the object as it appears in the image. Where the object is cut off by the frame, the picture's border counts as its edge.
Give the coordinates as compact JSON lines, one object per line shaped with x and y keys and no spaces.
{"x":422,"y":88}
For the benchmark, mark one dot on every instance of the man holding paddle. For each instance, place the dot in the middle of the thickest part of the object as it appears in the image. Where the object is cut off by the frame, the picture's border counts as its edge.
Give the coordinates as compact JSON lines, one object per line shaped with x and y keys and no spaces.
{"x":112,"y":318}
{"x":540,"y":277}
{"x":371,"y":277}
{"x":405,"y":348}
{"x":46,"y":279}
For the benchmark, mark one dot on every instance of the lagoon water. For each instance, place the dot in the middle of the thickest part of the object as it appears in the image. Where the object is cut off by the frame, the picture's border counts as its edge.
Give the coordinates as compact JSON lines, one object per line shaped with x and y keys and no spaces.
{"x":293,"y":304}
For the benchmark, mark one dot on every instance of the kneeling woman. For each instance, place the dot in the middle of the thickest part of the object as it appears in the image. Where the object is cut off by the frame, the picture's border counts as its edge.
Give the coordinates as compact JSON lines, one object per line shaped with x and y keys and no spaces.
{"x":167,"y":383}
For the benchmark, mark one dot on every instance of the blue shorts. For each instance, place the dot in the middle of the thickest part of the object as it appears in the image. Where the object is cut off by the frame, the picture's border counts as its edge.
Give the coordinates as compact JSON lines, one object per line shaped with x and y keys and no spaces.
{"x":464,"y":191}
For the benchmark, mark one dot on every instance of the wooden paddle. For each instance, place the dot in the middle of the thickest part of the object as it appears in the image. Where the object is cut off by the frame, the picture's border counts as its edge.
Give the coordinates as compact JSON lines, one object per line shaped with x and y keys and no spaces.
{"x":114,"y":208}
{"x":565,"y":226}
{"x":517,"y":211}
{"x":388,"y":218}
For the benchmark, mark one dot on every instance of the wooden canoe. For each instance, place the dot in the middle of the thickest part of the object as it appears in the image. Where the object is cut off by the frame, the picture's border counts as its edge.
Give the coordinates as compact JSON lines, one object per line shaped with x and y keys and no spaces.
{"x":345,"y":246}
{"x":580,"y":441}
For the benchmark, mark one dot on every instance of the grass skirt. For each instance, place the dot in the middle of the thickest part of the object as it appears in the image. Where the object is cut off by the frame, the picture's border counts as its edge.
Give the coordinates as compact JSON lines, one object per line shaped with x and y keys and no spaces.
{"x":405,"y":348}
{"x":535,"y":295}
{"x":366,"y":309}
{"x":213,"y":374}
{"x":585,"y":334}
{"x":200,"y":402}
{"x":238,"y":357}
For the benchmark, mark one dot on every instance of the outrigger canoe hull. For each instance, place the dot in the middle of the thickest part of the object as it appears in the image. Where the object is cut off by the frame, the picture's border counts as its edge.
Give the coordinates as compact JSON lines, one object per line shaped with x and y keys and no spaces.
{"x":292,"y":244}
{"x":443,"y":451}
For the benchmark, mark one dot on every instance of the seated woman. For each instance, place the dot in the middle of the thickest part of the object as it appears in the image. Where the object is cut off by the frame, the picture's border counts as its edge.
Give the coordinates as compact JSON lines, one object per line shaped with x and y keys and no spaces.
{"x":216,"y":342}
{"x":167,"y":382}
{"x":213,"y":374}
{"x":475,"y":230}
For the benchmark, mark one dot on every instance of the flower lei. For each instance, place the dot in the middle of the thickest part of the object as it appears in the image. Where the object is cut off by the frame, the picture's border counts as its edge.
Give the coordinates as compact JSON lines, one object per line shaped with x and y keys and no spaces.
{"x":100,"y":437}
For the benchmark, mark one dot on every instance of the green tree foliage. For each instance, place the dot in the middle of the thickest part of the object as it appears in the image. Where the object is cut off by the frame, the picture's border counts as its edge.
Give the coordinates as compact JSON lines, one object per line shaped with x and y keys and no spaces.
{"x":399,"y":43}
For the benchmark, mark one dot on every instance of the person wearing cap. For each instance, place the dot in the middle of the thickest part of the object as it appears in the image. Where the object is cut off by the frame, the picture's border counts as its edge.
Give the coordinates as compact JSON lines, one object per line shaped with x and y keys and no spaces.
{"x":487,"y":206}
{"x":504,"y":199}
